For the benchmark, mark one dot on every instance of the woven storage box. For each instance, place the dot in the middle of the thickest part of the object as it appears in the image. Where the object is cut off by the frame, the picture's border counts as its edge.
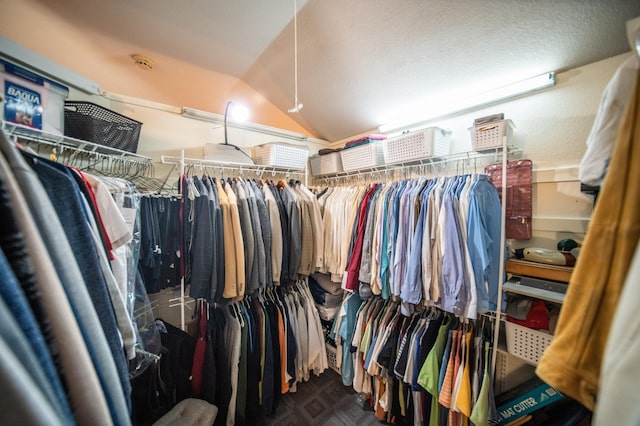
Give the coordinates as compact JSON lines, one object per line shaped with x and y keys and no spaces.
{"x":363,"y":156}
{"x":490,"y":135}
{"x":326,"y":164}
{"x":332,"y":353}
{"x":526,"y":343}
{"x":281,"y":155}
{"x":426,"y":143}
{"x":93,"y":123}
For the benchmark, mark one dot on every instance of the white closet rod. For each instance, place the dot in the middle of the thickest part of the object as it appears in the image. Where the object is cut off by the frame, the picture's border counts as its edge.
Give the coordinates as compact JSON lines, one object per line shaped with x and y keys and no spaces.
{"x":66,"y":142}
{"x":416,"y":165}
{"x":234,"y":167}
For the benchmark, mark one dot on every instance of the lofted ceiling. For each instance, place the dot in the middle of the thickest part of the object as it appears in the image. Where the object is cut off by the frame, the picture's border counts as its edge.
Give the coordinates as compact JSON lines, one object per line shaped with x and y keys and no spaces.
{"x":364,"y":62}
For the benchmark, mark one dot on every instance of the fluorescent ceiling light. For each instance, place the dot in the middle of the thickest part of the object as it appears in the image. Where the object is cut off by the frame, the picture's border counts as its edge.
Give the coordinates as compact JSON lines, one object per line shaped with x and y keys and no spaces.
{"x":445,"y":108}
{"x":254,"y":127}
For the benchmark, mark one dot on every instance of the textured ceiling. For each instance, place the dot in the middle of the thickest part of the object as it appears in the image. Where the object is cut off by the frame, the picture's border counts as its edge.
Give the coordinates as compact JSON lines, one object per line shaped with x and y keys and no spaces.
{"x":363,"y":63}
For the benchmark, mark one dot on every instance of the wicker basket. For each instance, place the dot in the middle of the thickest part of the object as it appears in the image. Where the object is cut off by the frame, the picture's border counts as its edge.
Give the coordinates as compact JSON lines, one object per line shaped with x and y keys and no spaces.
{"x":526,"y":343}
{"x":281,"y":155}
{"x":490,"y":135}
{"x":426,"y":143}
{"x":93,"y":123}
{"x":363,"y":156}
{"x":326,"y":164}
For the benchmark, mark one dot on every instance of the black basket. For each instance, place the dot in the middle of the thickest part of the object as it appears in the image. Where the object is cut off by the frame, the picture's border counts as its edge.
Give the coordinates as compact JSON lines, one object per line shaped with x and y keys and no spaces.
{"x":93,"y":123}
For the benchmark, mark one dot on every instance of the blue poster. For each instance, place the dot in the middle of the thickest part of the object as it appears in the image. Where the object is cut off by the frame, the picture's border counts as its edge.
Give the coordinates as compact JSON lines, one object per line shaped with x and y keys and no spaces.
{"x":22,"y":105}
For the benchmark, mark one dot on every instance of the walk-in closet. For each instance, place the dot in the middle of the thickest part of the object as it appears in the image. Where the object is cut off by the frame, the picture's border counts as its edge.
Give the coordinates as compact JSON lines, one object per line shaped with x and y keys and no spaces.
{"x":309,"y":212}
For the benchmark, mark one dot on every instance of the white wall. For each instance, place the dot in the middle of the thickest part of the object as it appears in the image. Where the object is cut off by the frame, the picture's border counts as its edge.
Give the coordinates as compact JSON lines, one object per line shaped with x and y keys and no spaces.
{"x":551,"y":129}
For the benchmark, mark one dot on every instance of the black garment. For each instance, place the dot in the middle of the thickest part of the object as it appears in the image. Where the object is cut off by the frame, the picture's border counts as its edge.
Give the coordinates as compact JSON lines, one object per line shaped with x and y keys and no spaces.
{"x":284,"y":223}
{"x":178,"y":358}
{"x":295,"y":232}
{"x":241,"y":395}
{"x":254,"y":376}
{"x":209,"y":369}
{"x":246,"y":226}
{"x":187,"y":206}
{"x":150,"y":261}
{"x":259,"y":255}
{"x":271,"y":396}
{"x":202,"y":244}
{"x":270,"y":354}
{"x":265,"y":226}
{"x":223,"y":376}
{"x":387,"y":355}
{"x":169,"y":224}
{"x":217,"y":273}
{"x":403,"y":351}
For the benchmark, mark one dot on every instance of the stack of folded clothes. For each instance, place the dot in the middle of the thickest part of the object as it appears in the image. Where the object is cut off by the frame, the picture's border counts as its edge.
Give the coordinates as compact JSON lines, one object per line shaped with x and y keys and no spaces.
{"x":327,"y":296}
{"x":364,"y":140}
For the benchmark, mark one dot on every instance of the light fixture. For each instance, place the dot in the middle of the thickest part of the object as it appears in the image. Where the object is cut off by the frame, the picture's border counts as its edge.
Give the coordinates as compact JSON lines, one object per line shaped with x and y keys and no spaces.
{"x":252,"y":127}
{"x":143,"y":62}
{"x":445,"y":108}
{"x":226,"y":152}
{"x":239,"y":113}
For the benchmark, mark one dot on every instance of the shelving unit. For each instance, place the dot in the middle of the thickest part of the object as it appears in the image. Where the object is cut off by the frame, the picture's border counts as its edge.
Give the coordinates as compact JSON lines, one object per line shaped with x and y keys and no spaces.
{"x":423,"y":166}
{"x":257,"y":169}
{"x":64,"y":142}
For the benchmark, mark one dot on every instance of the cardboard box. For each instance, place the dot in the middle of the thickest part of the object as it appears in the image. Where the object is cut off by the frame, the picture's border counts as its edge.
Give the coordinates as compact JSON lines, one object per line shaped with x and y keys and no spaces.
{"x":31,"y":100}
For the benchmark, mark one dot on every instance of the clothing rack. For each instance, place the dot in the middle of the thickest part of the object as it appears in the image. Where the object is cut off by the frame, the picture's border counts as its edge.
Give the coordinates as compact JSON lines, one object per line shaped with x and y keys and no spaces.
{"x":437,"y":166}
{"x":83,"y":154}
{"x":463,"y":161}
{"x":237,"y":169}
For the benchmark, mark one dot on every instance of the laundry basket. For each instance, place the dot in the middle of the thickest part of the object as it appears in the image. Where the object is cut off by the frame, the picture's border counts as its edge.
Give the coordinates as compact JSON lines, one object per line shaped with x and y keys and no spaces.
{"x":489,"y":136}
{"x":326,"y":164}
{"x":426,"y":143}
{"x":281,"y":155}
{"x":363,"y":156}
{"x":526,"y":343}
{"x":332,"y":353}
{"x":94,"y":123}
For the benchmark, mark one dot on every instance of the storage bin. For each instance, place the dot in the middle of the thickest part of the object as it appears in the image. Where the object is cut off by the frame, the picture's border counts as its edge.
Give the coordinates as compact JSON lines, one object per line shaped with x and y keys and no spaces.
{"x":326,"y":164}
{"x":526,"y":343}
{"x":425,"y":143}
{"x":31,"y":100}
{"x":94,"y":123}
{"x":490,"y":136}
{"x":363,"y":156}
{"x":332,"y":358}
{"x":283,"y":155}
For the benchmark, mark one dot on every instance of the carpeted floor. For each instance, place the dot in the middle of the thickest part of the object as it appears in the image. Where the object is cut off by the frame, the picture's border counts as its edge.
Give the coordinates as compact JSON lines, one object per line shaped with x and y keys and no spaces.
{"x":323,"y":400}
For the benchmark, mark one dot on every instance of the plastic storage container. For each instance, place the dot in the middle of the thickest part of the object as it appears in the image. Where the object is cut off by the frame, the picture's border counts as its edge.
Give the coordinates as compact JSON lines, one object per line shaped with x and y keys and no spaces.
{"x":31,"y":100}
{"x":94,"y":123}
{"x":326,"y":164}
{"x":332,"y":359}
{"x":283,"y":155}
{"x":426,"y":143}
{"x":363,"y":156}
{"x":490,"y":136}
{"x":526,"y":343}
